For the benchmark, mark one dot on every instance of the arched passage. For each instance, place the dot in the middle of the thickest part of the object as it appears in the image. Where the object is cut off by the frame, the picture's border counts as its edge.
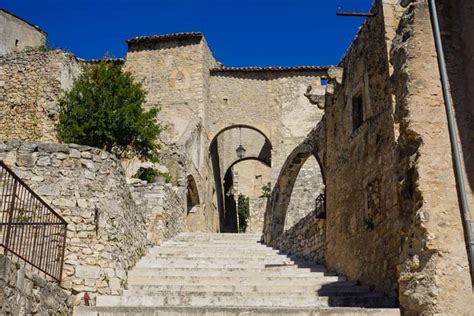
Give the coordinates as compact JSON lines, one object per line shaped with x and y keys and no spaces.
{"x":192,"y":195}
{"x":243,"y":182}
{"x":277,"y":208}
{"x":224,"y":156}
{"x":307,"y":188}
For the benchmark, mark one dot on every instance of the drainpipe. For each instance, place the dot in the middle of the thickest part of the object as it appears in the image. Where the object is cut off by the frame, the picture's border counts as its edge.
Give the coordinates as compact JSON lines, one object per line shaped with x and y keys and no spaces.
{"x":453,"y":135}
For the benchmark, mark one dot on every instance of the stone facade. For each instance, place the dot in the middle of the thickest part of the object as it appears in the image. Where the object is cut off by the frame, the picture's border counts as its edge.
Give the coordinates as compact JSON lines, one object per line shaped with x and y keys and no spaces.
{"x":31,"y":84}
{"x":23,"y":292}
{"x":361,"y":180}
{"x":17,"y":34}
{"x":178,"y":85}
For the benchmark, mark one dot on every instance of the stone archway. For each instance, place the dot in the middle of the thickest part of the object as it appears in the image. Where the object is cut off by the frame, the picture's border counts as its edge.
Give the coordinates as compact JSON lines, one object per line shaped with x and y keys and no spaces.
{"x":224,"y":157}
{"x":193,"y":201}
{"x":277,"y":207}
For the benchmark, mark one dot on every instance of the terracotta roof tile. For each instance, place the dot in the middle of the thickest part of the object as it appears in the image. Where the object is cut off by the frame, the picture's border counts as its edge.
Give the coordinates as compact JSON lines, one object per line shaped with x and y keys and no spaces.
{"x":270,"y":69}
{"x":165,"y":37}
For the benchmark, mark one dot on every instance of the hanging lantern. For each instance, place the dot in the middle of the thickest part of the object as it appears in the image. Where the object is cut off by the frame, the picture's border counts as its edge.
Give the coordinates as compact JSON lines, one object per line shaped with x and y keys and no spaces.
{"x":240,"y":150}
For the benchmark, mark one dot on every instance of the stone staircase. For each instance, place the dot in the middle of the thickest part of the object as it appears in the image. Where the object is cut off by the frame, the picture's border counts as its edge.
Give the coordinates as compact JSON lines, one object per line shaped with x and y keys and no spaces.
{"x":231,"y":274}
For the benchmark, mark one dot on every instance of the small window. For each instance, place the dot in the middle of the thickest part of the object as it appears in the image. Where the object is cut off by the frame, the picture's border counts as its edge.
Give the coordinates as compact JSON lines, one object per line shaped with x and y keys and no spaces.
{"x":357,"y":111}
{"x":324,"y":81}
{"x":16,"y":43}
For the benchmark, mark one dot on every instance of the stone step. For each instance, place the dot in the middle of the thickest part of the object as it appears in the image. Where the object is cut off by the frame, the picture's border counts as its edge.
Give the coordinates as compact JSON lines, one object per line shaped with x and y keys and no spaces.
{"x":244,"y":295}
{"x":254,"y":301}
{"x":242,"y":271}
{"x":218,"y":254}
{"x":232,"y":311}
{"x":229,"y":247}
{"x":218,"y":251}
{"x":218,"y":261}
{"x":325,"y":289}
{"x":217,"y":235}
{"x":148,"y":263}
{"x":215,"y":280}
{"x":278,"y":292}
{"x":208,"y":272}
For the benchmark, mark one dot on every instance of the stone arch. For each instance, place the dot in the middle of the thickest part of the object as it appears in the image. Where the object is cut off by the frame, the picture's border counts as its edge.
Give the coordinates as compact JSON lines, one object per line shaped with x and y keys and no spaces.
{"x":277,"y":206}
{"x":223,"y":158}
{"x":260,"y":129}
{"x":233,"y":188}
{"x":193,"y":201}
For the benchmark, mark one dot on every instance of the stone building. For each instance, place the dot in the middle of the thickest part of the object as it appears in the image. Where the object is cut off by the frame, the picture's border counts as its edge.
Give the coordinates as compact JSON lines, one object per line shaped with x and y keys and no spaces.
{"x":17,"y":34}
{"x":357,"y":156}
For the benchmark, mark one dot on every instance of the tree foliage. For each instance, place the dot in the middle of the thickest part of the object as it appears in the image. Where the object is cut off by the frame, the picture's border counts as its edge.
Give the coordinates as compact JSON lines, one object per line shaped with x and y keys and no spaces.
{"x":104,"y":109}
{"x":243,"y":205}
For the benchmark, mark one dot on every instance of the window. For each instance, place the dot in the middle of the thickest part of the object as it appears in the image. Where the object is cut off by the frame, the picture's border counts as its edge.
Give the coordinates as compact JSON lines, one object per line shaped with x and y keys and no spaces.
{"x":357,"y":110}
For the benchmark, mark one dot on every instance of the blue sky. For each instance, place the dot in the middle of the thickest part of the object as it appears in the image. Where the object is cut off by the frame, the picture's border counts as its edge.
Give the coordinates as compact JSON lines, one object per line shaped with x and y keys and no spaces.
{"x":239,"y":32}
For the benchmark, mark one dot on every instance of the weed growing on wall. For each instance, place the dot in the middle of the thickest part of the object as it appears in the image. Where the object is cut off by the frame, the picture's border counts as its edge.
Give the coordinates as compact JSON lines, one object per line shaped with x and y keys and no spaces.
{"x":104,"y":110}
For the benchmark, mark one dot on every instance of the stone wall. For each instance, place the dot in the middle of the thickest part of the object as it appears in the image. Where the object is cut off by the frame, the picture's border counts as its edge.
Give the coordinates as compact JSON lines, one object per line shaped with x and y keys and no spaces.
{"x":16,"y":34}
{"x":163,"y":207}
{"x":106,"y":231}
{"x":31,"y":83}
{"x":257,"y":207}
{"x":390,"y":181}
{"x":433,"y":271}
{"x":361,"y":180}
{"x":23,"y":292}
{"x":305,"y":239}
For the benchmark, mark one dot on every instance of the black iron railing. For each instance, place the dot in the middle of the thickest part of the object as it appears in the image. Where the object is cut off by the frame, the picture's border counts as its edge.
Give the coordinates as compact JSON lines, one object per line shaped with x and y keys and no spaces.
{"x":320,"y":207}
{"x":29,"y":228}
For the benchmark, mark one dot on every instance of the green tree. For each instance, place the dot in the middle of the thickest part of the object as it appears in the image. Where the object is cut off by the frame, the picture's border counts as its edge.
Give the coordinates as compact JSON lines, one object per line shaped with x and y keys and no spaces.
{"x":104,"y":109}
{"x":244,"y":213}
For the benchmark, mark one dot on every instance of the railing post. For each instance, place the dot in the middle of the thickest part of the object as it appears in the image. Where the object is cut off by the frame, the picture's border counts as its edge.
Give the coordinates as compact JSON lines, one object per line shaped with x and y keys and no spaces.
{"x":63,"y":253}
{"x":10,"y":218}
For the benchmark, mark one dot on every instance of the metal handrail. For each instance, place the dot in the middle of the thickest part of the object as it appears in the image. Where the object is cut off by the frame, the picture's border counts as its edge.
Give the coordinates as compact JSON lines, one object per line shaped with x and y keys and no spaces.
{"x":29,"y":228}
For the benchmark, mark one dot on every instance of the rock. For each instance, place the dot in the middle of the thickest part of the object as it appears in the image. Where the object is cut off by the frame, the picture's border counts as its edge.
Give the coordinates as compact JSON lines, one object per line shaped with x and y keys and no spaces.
{"x":74,"y":153}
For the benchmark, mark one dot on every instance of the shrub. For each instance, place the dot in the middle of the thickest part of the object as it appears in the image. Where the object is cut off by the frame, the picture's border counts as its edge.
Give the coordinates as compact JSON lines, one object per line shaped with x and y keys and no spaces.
{"x":266,"y":191}
{"x":149,"y":175}
{"x":104,"y":110}
{"x":244,"y":213}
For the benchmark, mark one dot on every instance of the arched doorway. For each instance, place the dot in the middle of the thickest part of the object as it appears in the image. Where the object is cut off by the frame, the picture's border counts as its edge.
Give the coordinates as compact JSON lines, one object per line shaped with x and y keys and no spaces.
{"x":243,"y":195}
{"x":224,"y":152}
{"x":192,"y":196}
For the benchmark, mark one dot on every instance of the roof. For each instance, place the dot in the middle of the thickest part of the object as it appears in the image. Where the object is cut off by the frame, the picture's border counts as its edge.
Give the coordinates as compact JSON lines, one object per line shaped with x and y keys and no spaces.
{"x":116,"y":61}
{"x":25,"y":21}
{"x":166,"y":37}
{"x":270,"y":69}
